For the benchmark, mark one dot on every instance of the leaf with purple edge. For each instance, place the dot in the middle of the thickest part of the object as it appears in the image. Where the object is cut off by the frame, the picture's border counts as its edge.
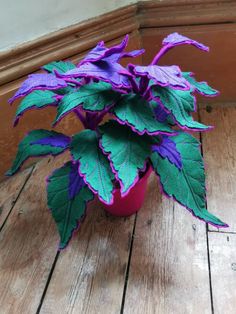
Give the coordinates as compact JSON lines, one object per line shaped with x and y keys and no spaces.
{"x":37,"y":99}
{"x":39,"y":143}
{"x":38,"y":81}
{"x":136,"y":112}
{"x":179,"y":104}
{"x":162,"y":75}
{"x":201,"y":87}
{"x":92,"y":97}
{"x":59,"y":66}
{"x":109,"y":72}
{"x":93,"y":165}
{"x":176,"y":39}
{"x":166,"y":148}
{"x":126,"y":150}
{"x":67,"y":196}
{"x":185,"y":185}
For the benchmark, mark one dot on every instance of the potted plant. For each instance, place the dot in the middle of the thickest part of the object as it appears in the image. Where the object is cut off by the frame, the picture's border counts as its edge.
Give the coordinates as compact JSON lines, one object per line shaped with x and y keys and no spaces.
{"x":150,"y":109}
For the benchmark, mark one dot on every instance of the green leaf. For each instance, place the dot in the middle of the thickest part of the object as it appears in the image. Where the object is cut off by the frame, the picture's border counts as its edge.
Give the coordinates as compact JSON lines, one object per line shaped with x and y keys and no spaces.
{"x":92,"y":97}
{"x":127,"y":151}
{"x":201,"y":87}
{"x":59,"y":66}
{"x":67,"y":210}
{"x":93,"y":165}
{"x":186,"y":185}
{"x":179,"y":104}
{"x":39,"y":143}
{"x":37,"y":99}
{"x":138,"y":114}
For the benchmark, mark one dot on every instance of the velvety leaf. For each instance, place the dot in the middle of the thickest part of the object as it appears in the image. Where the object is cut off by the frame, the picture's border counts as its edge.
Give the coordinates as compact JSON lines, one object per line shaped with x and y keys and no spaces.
{"x":59,"y":66}
{"x":112,"y":54}
{"x":179,"y":104}
{"x":166,"y":148}
{"x":109,"y":72}
{"x":67,"y":196}
{"x":162,"y":75}
{"x":138,"y":114}
{"x":186,"y":185}
{"x":36,"y":100}
{"x":93,"y":97}
{"x":127,"y":151}
{"x":101,"y":51}
{"x":38,"y":81}
{"x":201,"y":87}
{"x":176,"y":39}
{"x":39,"y":143}
{"x":93,"y":165}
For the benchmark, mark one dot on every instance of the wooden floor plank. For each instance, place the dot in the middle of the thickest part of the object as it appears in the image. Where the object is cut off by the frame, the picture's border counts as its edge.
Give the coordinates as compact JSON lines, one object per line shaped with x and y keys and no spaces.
{"x":28,"y":245}
{"x":169,"y":263}
{"x":219,"y":149}
{"x":223,"y":271}
{"x":90,"y":274}
{"x":9,"y":192}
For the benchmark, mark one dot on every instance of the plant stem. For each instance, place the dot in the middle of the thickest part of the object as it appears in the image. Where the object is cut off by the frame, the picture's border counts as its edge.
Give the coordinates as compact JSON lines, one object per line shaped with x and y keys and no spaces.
{"x":134,"y":84}
{"x":160,"y":53}
{"x":81,"y":117}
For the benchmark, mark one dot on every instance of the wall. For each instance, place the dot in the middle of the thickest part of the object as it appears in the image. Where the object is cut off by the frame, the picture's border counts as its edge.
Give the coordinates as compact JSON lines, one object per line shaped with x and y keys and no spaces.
{"x":24,"y":20}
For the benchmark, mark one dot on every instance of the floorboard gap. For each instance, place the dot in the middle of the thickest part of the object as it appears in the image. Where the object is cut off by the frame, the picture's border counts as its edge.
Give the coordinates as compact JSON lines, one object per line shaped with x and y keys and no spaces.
{"x":47,"y":283}
{"x":207,"y":239}
{"x":17,"y":197}
{"x":209,"y":270}
{"x":128,"y":267}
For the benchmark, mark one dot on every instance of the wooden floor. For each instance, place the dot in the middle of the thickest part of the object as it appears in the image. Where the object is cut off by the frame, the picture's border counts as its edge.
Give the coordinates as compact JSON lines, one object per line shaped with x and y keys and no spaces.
{"x":161,"y":261}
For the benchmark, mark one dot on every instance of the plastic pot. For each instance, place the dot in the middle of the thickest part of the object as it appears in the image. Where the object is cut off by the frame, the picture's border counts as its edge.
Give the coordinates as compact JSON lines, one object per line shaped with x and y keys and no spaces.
{"x":133,"y":201}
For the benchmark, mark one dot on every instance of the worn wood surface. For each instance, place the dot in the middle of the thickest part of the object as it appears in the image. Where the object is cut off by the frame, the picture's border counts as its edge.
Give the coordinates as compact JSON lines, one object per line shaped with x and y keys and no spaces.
{"x":219,"y":148}
{"x":169,"y":266}
{"x":223,"y":271}
{"x":28,"y":245}
{"x":89,"y":276}
{"x":162,"y":262}
{"x":10,"y":191}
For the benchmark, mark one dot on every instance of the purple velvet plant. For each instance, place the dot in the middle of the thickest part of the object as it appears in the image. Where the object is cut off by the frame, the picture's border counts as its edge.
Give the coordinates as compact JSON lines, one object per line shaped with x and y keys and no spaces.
{"x":150,"y":110}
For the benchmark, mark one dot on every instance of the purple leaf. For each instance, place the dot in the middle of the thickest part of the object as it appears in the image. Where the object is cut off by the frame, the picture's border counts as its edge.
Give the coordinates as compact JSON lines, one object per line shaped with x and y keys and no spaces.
{"x":176,"y":39}
{"x":167,"y":149}
{"x":59,"y":140}
{"x":76,"y":182}
{"x":113,"y":54}
{"x":112,"y":73}
{"x":162,"y":75}
{"x":38,"y":81}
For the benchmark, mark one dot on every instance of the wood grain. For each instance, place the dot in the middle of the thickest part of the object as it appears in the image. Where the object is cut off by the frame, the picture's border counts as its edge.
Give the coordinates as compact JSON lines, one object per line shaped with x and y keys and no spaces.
{"x":28,"y":245}
{"x":223,"y":268}
{"x":169,"y":266}
{"x":10,"y":190}
{"x":90,"y":274}
{"x":219,"y":149}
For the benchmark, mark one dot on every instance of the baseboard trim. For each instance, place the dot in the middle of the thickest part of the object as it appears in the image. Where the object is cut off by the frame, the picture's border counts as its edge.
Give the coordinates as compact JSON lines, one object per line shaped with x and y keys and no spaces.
{"x":78,"y":38}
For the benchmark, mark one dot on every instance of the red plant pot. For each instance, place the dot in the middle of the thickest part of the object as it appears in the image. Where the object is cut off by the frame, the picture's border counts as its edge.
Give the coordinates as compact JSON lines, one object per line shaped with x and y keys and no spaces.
{"x":132,"y":202}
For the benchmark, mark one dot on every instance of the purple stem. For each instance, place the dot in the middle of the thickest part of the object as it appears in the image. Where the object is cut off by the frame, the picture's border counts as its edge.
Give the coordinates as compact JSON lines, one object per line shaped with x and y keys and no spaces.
{"x":134,"y":84}
{"x":81,"y":117}
{"x":91,"y":119}
{"x":103,"y":113}
{"x":160,"y":53}
{"x":143,"y":85}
